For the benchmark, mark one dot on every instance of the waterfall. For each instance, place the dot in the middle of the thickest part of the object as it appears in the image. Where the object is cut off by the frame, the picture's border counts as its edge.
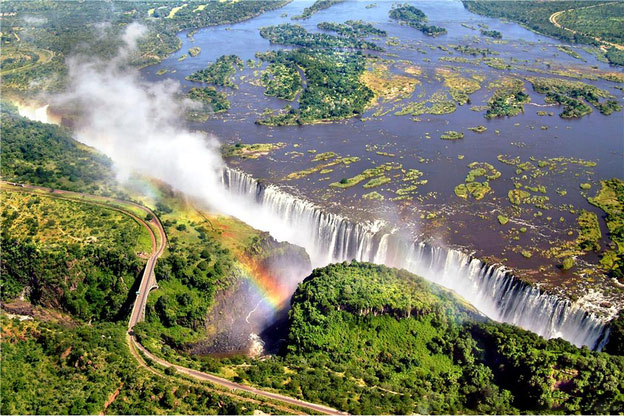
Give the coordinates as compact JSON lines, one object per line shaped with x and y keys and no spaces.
{"x":492,"y":289}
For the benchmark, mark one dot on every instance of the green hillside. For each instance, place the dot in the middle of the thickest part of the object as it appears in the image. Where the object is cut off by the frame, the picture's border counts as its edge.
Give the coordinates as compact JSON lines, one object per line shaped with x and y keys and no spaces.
{"x":369,"y":339}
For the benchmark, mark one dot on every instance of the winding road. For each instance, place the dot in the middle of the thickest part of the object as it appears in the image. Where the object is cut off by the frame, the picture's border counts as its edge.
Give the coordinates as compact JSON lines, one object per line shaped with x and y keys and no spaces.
{"x":148,"y":282}
{"x":553,"y":19}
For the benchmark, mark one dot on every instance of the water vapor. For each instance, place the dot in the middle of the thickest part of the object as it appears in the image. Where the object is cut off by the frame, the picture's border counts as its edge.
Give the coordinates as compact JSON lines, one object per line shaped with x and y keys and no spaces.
{"x":139,"y":125}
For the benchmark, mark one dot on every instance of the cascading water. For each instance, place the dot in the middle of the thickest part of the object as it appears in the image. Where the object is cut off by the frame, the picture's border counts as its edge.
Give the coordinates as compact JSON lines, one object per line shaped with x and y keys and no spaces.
{"x":493,"y":290}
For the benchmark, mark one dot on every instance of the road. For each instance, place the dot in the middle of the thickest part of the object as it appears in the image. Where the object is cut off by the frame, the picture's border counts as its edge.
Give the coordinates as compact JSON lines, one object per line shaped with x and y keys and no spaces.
{"x":553,"y":19}
{"x":148,"y":282}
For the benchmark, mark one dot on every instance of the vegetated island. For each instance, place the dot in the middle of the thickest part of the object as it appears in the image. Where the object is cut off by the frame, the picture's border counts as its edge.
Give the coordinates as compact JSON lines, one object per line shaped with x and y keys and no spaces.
{"x":415,"y":18}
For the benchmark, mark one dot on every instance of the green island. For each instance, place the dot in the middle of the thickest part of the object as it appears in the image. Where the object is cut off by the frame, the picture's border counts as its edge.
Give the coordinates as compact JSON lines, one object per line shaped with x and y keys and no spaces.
{"x":296,"y":35}
{"x":508,"y":100}
{"x":316,"y":7}
{"x":250,"y":150}
{"x":438,"y":103}
{"x":219,"y":73}
{"x":194,"y":51}
{"x":326,"y":74}
{"x":376,"y":175}
{"x":495,"y":34}
{"x":212,"y":101}
{"x":452,"y":135}
{"x":472,"y":186}
{"x":573,"y":95}
{"x":353,"y":28}
{"x":415,"y":18}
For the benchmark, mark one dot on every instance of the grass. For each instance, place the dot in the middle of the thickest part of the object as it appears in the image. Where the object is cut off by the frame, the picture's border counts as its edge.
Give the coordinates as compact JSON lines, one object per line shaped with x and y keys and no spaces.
{"x":250,"y":151}
{"x":589,"y":231}
{"x":366,"y":174}
{"x":346,"y":161}
{"x":460,"y":87}
{"x":387,"y":85}
{"x":452,"y":135}
{"x":51,"y":221}
{"x":438,"y":104}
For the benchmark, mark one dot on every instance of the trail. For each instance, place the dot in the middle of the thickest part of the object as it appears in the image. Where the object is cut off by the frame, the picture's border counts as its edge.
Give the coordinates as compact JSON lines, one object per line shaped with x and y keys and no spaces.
{"x":553,"y":19}
{"x":148,"y":282}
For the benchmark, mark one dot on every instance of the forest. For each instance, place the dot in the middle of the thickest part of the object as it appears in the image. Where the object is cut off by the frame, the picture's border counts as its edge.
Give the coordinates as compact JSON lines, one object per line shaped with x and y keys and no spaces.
{"x":590,"y":21}
{"x":574,"y":96}
{"x":73,"y":28}
{"x":316,"y":7}
{"x":296,"y":35}
{"x":47,"y":155}
{"x":333,"y":89}
{"x":352,"y":28}
{"x":415,"y":18}
{"x":219,"y":73}
{"x":369,"y":339}
{"x":66,"y":368}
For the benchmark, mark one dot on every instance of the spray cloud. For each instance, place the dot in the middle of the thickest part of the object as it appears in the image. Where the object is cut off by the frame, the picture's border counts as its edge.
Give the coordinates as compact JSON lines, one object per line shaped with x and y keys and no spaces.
{"x":138,"y":124}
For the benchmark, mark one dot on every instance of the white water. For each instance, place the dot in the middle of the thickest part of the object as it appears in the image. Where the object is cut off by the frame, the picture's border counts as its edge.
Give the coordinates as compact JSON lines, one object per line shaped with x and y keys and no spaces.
{"x":492,"y":289}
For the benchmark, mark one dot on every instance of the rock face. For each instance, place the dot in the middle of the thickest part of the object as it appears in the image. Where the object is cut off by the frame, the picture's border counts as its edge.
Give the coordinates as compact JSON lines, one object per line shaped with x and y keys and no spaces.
{"x":244,"y":317}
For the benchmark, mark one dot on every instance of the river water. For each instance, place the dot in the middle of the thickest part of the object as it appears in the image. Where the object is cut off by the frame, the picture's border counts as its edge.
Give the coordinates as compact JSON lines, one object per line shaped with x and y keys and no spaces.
{"x":435,"y":212}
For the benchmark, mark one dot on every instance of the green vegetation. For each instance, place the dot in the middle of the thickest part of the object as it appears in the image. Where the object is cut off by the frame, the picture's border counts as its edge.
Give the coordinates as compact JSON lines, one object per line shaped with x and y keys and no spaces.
{"x":212,"y":101}
{"x":376,"y":196}
{"x":438,"y":103}
{"x":194,"y":51}
{"x":52,"y":368}
{"x":387,"y":84}
{"x":219,"y":73}
{"x":604,"y":21}
{"x":589,"y":232}
{"x":52,"y":31}
{"x":459,"y":87}
{"x":47,"y":155}
{"x":250,"y":151}
{"x":281,"y":81}
{"x":503,"y":219}
{"x":415,"y":18}
{"x":325,"y":157}
{"x":373,"y":340}
{"x":478,"y":129}
{"x":536,"y":14}
{"x":333,"y":88}
{"x":316,"y":7}
{"x":471,"y":50}
{"x":572,"y":95}
{"x":492,"y":34}
{"x":452,"y":135}
{"x":352,"y":28}
{"x":296,"y":35}
{"x":568,"y":50}
{"x":518,"y":196}
{"x":376,"y":172}
{"x":615,"y":56}
{"x":610,"y":199}
{"x":508,"y":100}
{"x":74,"y":256}
{"x":472,"y":186}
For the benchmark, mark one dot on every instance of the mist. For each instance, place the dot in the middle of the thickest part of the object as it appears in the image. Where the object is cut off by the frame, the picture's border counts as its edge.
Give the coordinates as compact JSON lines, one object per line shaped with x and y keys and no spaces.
{"x":140,"y":126}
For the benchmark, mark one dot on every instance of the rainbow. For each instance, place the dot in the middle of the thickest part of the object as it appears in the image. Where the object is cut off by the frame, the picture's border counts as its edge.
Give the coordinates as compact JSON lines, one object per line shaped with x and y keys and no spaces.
{"x":265,"y":284}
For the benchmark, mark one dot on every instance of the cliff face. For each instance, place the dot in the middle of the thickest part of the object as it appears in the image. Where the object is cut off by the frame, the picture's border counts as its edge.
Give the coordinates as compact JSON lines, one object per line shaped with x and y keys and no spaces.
{"x":241,"y":319}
